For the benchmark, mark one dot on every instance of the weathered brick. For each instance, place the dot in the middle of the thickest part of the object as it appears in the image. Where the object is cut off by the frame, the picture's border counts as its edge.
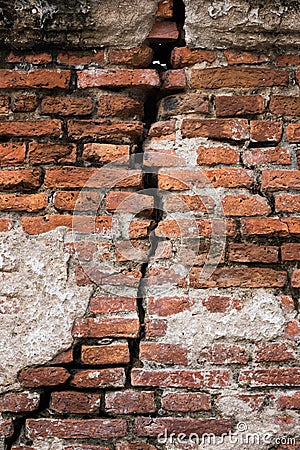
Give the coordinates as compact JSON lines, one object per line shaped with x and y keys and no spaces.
{"x":39,"y":78}
{"x":290,"y":252}
{"x":104,"y":129}
{"x":239,"y":277}
{"x":293,"y":132}
{"x":5,"y":225}
{"x":186,"y":203}
{"x":288,"y":60}
{"x":19,"y":202}
{"x":166,"y":306}
{"x":109,"y":327}
{"x":73,"y":402}
{"x":264,"y":131}
{"x":156,"y":327}
{"x":145,"y":426}
{"x":31,"y":128}
{"x":99,"y":378}
{"x":235,"y":129}
{"x":191,"y":228}
{"x":80,"y":201}
{"x":236,"y":57}
{"x":17,"y":402}
{"x":6,"y":428}
{"x":174,"y":79}
{"x":146,"y":78}
{"x":163,"y":130}
{"x":264,"y":156}
{"x":220,"y":303}
{"x":224,"y":354}
{"x":163,"y":353}
{"x":39,"y":153}
{"x":164,"y":9}
{"x":184,"y":56}
{"x":20,"y":180}
{"x":296,"y":279}
{"x":88,"y":275}
{"x":238,"y":77}
{"x":191,"y":402}
{"x":287,"y":203}
{"x":27,"y":102}
{"x":130,"y":402}
{"x":245,"y":205}
{"x":216,"y":378}
{"x":236,"y":105}
{"x":275,"y":180}
{"x":116,"y":105}
{"x":29,"y":58}
{"x":82,"y":224}
{"x":4,"y":104}
{"x":289,"y":401}
{"x":274,"y":352}
{"x":133,"y":57}
{"x":105,"y":354}
{"x":210,"y":156}
{"x":43,"y":376}
{"x":12,"y":154}
{"x":75,"y":429}
{"x":175,"y":105}
{"x":287,"y":376}
{"x":67,"y":106}
{"x":285,"y":105}
{"x":123,"y":202}
{"x":292,"y":330}
{"x":248,"y":253}
{"x":270,"y":226}
{"x":78,"y":58}
{"x":112,"y":304}
{"x":164,"y":31}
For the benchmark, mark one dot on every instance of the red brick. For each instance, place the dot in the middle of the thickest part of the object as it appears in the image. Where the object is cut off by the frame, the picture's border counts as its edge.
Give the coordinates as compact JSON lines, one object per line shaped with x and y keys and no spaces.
{"x":183,"y":56}
{"x":67,"y":106}
{"x":78,"y":58}
{"x":274,"y":352}
{"x":25,"y":102}
{"x":219,"y":303}
{"x":99,"y":378}
{"x":224,"y":354}
{"x":261,"y":156}
{"x":287,"y":303}
{"x":4,"y":104}
{"x":174,"y":79}
{"x":6,"y":428}
{"x":175,"y":105}
{"x":116,"y":105}
{"x":51,"y":153}
{"x":210,"y":156}
{"x":134,"y":446}
{"x":82,"y":224}
{"x":12,"y":153}
{"x":40,"y":78}
{"x":288,"y":376}
{"x":79,"y":177}
{"x":293,"y":132}
{"x":289,"y":401}
{"x":234,"y":57}
{"x":234,"y":129}
{"x":75,"y":429}
{"x":89,"y":275}
{"x":275,"y":180}
{"x":165,"y":31}
{"x":43,"y":376}
{"x":31,"y":128}
{"x":190,"y":228}
{"x":105,"y":354}
{"x":248,"y":253}
{"x":156,"y":327}
{"x":285,"y":105}
{"x":109,"y":327}
{"x":163,"y":353}
{"x":288,"y":60}
{"x":146,"y":78}
{"x":105,"y":129}
{"x":271,"y":226}
{"x":238,"y":77}
{"x":236,"y":105}
{"x":65,"y":357}
{"x":5,"y":225}
{"x":191,"y":402}
{"x":81,"y":201}
{"x":287,"y":203}
{"x":186,"y":203}
{"x":292,"y":330}
{"x":145,"y":426}
{"x":19,"y":202}
{"x":84,"y":250}
{"x":290,"y":252}
{"x":296,"y":279}
{"x":123,"y":202}
{"x":30,"y":58}
{"x":164,"y":9}
{"x":166,"y":306}
{"x":133,"y":57}
{"x":73,"y":402}
{"x":163,"y":130}
{"x":264,"y":131}
{"x":195,"y":379}
{"x":245,"y":205}
{"x":139,"y":228}
{"x":23,"y":179}
{"x":110,"y":304}
{"x":129,"y":402}
{"x":239,"y":277}
{"x":17,"y":402}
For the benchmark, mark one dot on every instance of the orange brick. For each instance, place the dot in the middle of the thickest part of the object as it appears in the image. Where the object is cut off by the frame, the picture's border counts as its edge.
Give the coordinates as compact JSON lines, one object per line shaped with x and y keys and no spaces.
{"x":67,"y":106}
{"x":51,"y":153}
{"x":210,"y":156}
{"x":39,"y":78}
{"x":235,"y":129}
{"x":31,"y":128}
{"x":264,"y":156}
{"x":104,"y":129}
{"x":22,"y":179}
{"x":19,"y":202}
{"x":133,"y":57}
{"x":234,"y":57}
{"x":263,"y":131}
{"x":164,"y":31}
{"x":245,"y":205}
{"x":116,"y":78}
{"x":237,"y":105}
{"x":29,"y":58}
{"x":105,"y":354}
{"x":183,"y":56}
{"x":105,"y":153}
{"x":116,"y":105}
{"x":165,"y":9}
{"x":12,"y":153}
{"x":78,"y":58}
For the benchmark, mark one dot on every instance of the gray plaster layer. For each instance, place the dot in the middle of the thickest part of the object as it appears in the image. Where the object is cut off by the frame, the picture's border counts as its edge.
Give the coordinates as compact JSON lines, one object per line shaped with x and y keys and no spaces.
{"x":39,"y":300}
{"x":242,"y":23}
{"x":81,"y":23}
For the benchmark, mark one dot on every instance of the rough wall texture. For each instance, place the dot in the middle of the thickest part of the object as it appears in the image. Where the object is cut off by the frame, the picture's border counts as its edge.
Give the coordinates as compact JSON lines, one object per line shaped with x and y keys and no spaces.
{"x":149,"y":227}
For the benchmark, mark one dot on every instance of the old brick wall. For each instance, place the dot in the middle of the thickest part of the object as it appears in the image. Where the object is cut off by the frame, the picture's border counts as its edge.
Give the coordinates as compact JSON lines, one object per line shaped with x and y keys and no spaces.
{"x":149,"y":227}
